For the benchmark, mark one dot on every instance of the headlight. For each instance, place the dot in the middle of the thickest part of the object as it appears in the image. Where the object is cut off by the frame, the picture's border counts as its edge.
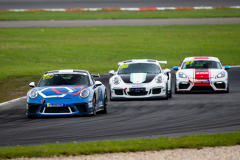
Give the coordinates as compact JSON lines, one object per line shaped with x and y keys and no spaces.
{"x":159,"y":79}
{"x":182,"y":75}
{"x":33,"y":93}
{"x":221,"y":75}
{"x":84,"y":93}
{"x":116,"y":80}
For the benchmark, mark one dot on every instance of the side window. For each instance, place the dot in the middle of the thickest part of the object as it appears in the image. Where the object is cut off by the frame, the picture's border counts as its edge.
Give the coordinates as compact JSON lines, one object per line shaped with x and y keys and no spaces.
{"x":93,"y":80}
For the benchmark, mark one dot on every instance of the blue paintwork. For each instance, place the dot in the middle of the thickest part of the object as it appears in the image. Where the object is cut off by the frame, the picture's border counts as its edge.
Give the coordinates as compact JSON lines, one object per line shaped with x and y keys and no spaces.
{"x":227,"y":67}
{"x":175,"y":67}
{"x":70,"y":99}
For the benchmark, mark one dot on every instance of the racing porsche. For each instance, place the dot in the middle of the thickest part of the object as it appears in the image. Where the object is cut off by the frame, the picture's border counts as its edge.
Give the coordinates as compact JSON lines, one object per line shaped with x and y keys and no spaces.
{"x":201,"y":74}
{"x":66,"y":92}
{"x":142,"y":78}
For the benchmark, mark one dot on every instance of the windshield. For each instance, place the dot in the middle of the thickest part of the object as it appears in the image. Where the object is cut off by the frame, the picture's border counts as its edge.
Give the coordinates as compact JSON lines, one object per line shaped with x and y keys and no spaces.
{"x":201,"y":64}
{"x":139,"y":68}
{"x":64,"y":79}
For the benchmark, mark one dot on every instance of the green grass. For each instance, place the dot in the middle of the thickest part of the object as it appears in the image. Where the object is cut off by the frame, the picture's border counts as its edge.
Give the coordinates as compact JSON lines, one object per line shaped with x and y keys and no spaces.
{"x":26,"y":53}
{"x":40,"y":15}
{"x":161,"y":143}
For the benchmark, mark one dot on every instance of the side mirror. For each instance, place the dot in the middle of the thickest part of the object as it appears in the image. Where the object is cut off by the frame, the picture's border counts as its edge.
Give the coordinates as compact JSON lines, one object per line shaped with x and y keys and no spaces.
{"x":32,"y":84}
{"x":167,"y":70}
{"x":227,"y":67}
{"x":175,"y":68}
{"x":180,"y":63}
{"x":112,"y":72}
{"x":97,"y":83}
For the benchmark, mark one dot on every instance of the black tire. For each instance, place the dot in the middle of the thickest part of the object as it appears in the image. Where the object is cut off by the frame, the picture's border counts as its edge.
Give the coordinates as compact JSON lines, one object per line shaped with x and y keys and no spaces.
{"x":94,"y":106}
{"x":111,"y":94}
{"x":105,"y":110}
{"x":166,"y":98}
{"x":176,"y":92}
{"x":31,"y":117}
{"x":227,"y":91}
{"x":170,"y":94}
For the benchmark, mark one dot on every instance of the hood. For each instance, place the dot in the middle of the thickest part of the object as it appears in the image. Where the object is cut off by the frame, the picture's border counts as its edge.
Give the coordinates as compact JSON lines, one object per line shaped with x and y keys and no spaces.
{"x":201,"y":73}
{"x":137,"y":77}
{"x":59,"y":91}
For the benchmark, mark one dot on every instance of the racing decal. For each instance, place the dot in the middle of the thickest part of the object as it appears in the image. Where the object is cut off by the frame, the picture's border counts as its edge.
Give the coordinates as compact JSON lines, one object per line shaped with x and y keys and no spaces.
{"x":189,"y":62}
{"x":127,"y":78}
{"x":56,"y":104}
{"x":201,"y":81}
{"x":48,"y":76}
{"x":51,"y":92}
{"x":138,"y":77}
{"x":201,"y":57}
{"x":124,"y":66}
{"x":202,"y":77}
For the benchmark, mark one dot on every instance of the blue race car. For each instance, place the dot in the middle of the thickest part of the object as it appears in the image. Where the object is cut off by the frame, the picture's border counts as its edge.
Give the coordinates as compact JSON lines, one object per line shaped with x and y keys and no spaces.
{"x":66,"y":92}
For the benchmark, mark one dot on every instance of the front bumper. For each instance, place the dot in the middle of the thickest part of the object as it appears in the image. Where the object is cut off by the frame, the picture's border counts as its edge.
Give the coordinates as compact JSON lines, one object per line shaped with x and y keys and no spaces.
{"x":192,"y":85}
{"x":151,"y":91}
{"x":71,"y":108}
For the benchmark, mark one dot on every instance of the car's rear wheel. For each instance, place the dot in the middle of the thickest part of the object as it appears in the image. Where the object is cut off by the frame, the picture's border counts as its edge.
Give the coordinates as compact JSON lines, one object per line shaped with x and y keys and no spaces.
{"x":105,"y":110}
{"x":94,"y":112}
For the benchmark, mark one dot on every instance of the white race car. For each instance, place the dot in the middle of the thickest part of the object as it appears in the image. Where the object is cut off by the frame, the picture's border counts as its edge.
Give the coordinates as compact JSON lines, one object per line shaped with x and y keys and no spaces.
{"x":143,"y":78}
{"x":201,"y":74}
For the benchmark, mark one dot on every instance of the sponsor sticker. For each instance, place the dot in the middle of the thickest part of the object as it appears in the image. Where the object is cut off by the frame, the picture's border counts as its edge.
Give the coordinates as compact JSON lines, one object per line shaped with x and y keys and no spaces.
{"x":189,"y":62}
{"x":137,"y":85}
{"x":202,"y":80}
{"x":137,"y":89}
{"x":124,"y":66}
{"x":48,"y":76}
{"x":201,"y":72}
{"x":56,"y":104}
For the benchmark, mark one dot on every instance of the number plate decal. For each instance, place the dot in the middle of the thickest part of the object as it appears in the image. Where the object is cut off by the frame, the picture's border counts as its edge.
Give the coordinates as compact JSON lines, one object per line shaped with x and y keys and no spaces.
{"x":56,"y":104}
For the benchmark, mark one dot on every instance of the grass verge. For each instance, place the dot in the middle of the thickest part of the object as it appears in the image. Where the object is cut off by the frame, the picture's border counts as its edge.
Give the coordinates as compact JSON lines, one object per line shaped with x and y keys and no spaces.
{"x":161,"y":143}
{"x":41,"y":15}
{"x":26,"y":53}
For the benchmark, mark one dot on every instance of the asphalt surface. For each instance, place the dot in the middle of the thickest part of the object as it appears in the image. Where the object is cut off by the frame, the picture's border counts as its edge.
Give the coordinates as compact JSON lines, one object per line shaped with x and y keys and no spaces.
{"x":183,"y":114}
{"x":42,"y":4}
{"x":119,"y":22}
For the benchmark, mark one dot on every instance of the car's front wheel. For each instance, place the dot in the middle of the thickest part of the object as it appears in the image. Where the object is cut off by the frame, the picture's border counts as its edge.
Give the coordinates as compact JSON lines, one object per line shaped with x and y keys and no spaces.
{"x":94,"y":112}
{"x":167,"y":94}
{"x":105,"y":110}
{"x":176,"y":92}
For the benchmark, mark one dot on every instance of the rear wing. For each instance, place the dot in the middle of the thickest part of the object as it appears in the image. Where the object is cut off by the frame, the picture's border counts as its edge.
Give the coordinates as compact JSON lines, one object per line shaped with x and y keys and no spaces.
{"x":94,"y":75}
{"x":162,"y":62}
{"x":120,"y":63}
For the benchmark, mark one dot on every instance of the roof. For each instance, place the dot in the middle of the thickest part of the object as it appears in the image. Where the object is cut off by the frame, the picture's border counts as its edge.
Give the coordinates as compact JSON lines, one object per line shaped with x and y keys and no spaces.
{"x":143,"y":61}
{"x":202,"y":58}
{"x":66,"y":71}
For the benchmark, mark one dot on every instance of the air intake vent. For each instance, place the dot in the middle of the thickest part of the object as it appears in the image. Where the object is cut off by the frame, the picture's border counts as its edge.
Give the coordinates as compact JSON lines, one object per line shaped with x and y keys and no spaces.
{"x":82,"y":107}
{"x":33,"y":107}
{"x":156,"y":91}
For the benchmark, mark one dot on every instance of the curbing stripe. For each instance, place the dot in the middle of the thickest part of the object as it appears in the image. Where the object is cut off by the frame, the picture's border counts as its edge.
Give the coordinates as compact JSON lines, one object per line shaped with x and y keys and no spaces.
{"x":116,"y":9}
{"x":11,"y":101}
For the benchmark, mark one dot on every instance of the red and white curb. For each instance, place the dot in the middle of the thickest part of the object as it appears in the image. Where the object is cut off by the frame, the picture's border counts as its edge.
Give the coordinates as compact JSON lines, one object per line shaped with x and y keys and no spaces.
{"x":118,"y":9}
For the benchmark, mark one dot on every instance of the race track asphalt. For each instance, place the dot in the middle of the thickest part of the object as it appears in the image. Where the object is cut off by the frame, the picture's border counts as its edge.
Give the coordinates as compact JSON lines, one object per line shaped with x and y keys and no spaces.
{"x":118,"y":22}
{"x":42,"y":4}
{"x":184,"y":114}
